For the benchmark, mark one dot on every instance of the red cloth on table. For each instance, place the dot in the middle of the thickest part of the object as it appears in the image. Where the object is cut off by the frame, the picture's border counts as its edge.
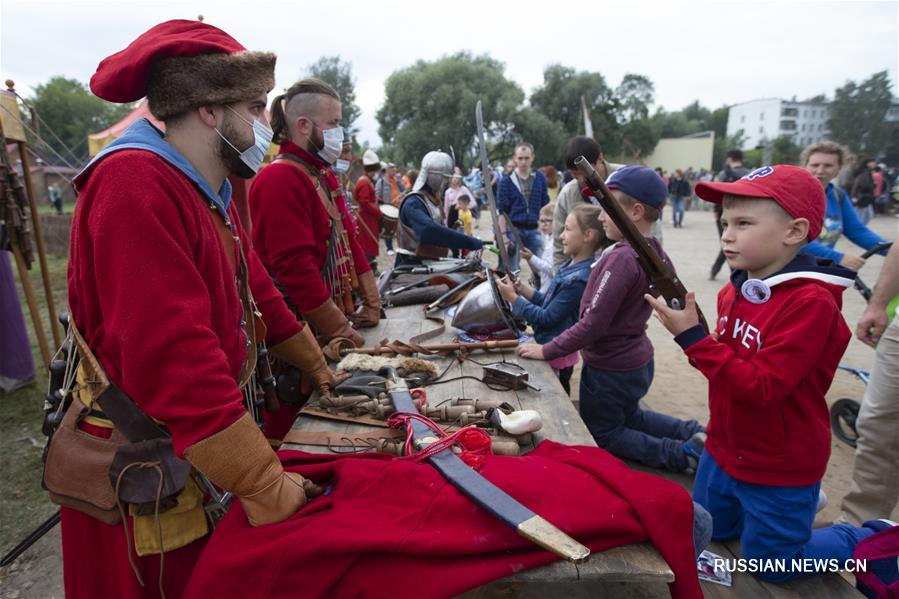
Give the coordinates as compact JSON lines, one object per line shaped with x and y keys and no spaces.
{"x":395,"y":528}
{"x":364,"y":194}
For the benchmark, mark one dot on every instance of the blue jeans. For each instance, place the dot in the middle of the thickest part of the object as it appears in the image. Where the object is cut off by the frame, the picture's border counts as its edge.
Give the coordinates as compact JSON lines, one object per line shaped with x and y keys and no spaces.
{"x":610,"y":407}
{"x":388,"y":243}
{"x":532,"y":240}
{"x":677,"y":210}
{"x":865,"y":214}
{"x":702,"y":528}
{"x":771,"y":522}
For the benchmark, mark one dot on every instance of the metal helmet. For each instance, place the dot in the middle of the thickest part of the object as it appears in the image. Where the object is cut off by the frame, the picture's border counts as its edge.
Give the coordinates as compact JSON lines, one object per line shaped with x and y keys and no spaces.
{"x":485,"y":311}
{"x":435,"y":166}
{"x":369,"y":158}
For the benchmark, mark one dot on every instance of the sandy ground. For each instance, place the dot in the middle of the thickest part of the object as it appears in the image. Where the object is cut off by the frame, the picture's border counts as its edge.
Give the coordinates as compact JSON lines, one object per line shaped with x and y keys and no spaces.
{"x":678,"y":389}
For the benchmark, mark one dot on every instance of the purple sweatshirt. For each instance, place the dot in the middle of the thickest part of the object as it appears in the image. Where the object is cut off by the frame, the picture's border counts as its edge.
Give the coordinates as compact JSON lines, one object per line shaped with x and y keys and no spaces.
{"x":611,"y":328}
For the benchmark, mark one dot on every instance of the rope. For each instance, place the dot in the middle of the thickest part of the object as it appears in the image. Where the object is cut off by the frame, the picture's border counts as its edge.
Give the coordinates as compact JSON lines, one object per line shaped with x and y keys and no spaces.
{"x":118,"y":483}
{"x":404,"y":419}
{"x":44,"y":124}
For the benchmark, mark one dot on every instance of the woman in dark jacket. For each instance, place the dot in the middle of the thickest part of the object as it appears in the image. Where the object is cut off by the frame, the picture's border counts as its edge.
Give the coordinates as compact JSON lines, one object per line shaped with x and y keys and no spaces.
{"x":863,"y":190}
{"x":679,"y":190}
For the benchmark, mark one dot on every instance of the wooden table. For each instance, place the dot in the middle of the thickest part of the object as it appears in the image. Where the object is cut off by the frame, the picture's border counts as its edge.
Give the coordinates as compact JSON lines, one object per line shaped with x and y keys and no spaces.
{"x":561,"y":422}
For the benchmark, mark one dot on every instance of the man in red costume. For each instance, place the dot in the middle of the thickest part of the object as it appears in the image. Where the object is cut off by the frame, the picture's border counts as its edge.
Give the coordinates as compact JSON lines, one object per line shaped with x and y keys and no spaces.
{"x":302,"y":228}
{"x":369,"y":212}
{"x":170,"y":301}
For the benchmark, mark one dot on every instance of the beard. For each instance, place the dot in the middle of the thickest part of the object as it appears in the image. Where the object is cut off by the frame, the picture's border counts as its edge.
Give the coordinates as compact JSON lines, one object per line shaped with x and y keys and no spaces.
{"x":231,"y":157}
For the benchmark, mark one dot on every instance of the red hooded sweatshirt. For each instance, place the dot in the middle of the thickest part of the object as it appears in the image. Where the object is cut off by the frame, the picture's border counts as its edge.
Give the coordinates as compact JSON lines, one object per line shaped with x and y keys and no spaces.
{"x":769,"y":365}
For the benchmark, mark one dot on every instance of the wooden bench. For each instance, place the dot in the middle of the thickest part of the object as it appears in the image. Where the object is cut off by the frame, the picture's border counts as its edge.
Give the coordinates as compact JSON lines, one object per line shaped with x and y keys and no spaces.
{"x":561,"y":422}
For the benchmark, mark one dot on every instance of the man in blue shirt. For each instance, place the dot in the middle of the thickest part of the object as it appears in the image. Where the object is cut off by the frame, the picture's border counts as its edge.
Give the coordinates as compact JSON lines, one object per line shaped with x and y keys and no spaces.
{"x":521,"y":195}
{"x":824,"y":160}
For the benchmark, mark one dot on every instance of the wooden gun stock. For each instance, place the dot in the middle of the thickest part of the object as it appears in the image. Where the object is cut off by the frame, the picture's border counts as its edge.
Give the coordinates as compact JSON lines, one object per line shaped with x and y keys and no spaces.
{"x":661,"y":274}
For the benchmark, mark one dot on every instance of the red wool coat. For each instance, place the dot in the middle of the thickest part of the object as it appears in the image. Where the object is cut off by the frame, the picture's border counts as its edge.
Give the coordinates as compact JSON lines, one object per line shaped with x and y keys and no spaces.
{"x":364,"y":194}
{"x":152,"y":292}
{"x":290,"y":228}
{"x":393,"y":528}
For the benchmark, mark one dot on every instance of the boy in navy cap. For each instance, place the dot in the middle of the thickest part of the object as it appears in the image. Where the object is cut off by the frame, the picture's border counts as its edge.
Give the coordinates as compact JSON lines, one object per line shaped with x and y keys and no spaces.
{"x":769,"y":361}
{"x":611,"y":336}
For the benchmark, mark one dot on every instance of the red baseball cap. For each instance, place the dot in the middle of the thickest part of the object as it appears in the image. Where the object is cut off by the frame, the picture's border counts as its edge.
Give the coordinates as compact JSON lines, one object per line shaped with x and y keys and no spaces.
{"x":795,"y":189}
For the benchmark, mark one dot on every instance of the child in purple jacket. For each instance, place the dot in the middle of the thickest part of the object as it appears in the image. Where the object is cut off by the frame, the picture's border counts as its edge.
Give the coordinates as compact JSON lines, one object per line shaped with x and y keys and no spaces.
{"x":611,"y":336}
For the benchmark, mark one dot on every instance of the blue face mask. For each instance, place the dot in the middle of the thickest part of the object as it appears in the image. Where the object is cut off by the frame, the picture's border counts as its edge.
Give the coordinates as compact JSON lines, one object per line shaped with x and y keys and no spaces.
{"x":262,"y":139}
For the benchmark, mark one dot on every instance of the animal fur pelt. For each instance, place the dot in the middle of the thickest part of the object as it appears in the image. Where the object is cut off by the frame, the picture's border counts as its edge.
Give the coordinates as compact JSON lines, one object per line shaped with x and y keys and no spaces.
{"x":405,"y":365}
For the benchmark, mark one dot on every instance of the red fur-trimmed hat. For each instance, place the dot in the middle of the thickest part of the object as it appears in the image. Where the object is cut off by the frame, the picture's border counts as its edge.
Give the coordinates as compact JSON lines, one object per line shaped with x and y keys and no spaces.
{"x":795,"y":189}
{"x":181,"y":64}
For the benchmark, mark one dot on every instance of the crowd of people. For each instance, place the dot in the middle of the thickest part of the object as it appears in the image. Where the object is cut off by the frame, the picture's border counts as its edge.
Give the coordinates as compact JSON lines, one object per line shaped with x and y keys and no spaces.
{"x":170,"y":295}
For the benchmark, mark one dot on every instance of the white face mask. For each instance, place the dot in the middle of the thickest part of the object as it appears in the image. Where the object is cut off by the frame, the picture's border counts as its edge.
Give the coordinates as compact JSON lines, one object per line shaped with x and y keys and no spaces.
{"x":341,"y":166}
{"x":333,"y":144}
{"x":262,"y":139}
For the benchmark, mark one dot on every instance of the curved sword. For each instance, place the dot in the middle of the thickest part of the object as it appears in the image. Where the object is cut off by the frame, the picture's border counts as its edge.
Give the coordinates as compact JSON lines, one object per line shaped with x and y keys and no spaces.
{"x":477,"y":488}
{"x":504,"y":263}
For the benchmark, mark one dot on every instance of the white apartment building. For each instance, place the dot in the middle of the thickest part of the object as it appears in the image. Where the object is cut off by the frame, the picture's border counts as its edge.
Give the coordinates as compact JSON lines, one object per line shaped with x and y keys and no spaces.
{"x":769,"y":118}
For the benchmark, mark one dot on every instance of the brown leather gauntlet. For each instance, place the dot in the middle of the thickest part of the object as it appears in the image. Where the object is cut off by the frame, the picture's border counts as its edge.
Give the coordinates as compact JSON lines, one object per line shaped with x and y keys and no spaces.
{"x":239,"y":459}
{"x":369,"y":313}
{"x":303,"y":352}
{"x":329,"y":322}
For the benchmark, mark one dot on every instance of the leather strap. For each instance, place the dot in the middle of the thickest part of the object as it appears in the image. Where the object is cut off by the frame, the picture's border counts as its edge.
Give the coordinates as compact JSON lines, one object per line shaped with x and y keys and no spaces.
{"x":335,"y":439}
{"x":125,"y":415}
{"x":320,"y":413}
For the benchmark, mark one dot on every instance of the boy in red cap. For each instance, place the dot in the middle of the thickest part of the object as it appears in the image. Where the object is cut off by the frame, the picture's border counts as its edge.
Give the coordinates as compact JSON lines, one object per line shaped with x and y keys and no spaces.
{"x":611,"y":335}
{"x":170,"y":301}
{"x":769,"y":361}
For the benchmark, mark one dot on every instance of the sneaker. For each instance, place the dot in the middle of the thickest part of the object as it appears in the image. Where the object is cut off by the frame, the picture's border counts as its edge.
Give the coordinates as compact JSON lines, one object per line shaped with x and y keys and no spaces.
{"x":390,"y":252}
{"x":878,"y":525}
{"x":693,"y":448}
{"x":822,"y":501}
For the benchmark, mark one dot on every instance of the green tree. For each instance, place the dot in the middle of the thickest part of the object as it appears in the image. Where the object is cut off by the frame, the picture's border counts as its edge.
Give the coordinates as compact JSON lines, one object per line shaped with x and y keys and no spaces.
{"x":430,"y":106}
{"x":858,"y":114}
{"x":785,"y":151}
{"x":66,"y":113}
{"x":546,"y":135}
{"x":339,"y":75}
{"x":635,"y":95}
{"x":559,"y":99}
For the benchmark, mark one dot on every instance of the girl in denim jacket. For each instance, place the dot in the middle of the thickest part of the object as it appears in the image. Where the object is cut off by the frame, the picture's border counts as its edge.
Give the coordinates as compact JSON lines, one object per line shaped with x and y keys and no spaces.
{"x":552,"y":312}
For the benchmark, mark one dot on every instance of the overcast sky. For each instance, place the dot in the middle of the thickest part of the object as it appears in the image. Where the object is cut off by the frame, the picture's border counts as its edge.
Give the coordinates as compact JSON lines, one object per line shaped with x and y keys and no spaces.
{"x":721,"y":52}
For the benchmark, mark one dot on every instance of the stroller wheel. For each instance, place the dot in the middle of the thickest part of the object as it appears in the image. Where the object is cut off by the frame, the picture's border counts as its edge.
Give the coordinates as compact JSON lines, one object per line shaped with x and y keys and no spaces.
{"x":843,"y":414}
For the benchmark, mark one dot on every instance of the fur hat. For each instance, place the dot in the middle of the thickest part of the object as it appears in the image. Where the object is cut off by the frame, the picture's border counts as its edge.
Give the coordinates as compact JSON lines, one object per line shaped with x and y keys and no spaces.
{"x":181,"y":64}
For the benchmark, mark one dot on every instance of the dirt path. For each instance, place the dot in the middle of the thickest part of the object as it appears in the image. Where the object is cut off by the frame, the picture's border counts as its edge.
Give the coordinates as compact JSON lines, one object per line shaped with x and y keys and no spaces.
{"x":678,"y":389}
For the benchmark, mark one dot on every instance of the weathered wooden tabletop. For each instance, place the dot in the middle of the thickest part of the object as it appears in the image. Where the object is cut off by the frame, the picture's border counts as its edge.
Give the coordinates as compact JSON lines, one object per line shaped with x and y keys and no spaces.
{"x":561,"y":422}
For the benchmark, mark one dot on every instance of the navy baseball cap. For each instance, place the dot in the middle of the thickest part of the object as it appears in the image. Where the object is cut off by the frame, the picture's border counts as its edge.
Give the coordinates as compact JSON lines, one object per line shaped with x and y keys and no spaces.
{"x":641,"y":183}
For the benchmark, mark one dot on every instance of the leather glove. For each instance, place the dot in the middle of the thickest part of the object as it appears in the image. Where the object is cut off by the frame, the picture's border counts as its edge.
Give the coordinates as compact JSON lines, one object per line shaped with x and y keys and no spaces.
{"x":369,"y":313}
{"x":329,"y":322}
{"x":239,"y":459}
{"x":302,"y":351}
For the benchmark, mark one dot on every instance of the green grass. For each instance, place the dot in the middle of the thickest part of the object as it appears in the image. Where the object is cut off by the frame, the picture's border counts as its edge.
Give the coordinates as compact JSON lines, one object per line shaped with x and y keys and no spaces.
{"x":23,"y":504}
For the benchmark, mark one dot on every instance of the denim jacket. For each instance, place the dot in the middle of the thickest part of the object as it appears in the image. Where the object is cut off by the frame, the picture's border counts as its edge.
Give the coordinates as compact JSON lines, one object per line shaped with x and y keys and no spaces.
{"x":552,"y":312}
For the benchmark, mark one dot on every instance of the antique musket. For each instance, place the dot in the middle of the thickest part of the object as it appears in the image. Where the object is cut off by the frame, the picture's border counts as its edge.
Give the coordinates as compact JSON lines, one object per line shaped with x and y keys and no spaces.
{"x":481,"y":491}
{"x":401,"y":348}
{"x":661,"y":274}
